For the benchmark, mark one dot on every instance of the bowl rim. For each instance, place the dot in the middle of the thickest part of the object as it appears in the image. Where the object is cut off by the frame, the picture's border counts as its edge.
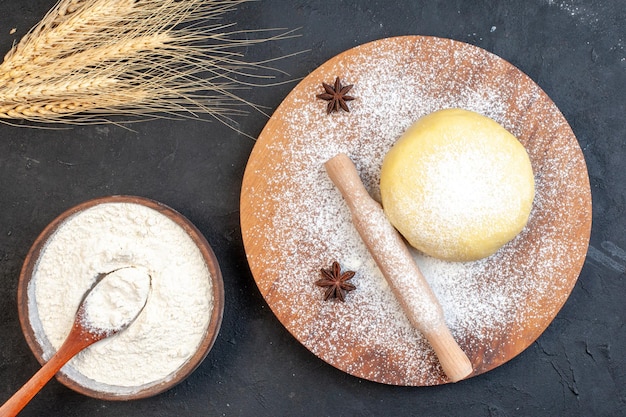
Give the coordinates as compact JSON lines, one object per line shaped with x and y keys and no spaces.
{"x":211,"y":332}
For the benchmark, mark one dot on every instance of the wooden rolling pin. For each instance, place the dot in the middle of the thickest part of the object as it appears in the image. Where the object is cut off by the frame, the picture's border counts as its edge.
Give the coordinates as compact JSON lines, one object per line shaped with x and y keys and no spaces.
{"x":399,"y":268}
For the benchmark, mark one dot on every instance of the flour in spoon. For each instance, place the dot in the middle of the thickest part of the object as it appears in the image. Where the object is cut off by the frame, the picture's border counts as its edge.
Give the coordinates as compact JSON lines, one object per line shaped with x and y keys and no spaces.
{"x":116,"y":300}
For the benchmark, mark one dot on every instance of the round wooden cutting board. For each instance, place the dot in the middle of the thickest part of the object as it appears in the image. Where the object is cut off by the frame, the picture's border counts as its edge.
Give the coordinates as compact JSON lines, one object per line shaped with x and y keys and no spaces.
{"x":294,"y":222}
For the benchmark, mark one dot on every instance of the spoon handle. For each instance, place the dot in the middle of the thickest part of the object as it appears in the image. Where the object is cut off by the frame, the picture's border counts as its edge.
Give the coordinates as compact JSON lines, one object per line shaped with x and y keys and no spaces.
{"x":74,"y":343}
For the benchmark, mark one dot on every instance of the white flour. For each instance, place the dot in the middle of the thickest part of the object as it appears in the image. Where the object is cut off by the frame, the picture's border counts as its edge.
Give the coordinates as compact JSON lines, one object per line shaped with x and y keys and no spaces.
{"x":116,"y":300}
{"x":168,"y":330}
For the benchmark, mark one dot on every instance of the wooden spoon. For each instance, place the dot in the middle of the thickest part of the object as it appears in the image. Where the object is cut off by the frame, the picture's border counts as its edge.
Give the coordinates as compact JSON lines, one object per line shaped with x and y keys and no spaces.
{"x":84,"y":333}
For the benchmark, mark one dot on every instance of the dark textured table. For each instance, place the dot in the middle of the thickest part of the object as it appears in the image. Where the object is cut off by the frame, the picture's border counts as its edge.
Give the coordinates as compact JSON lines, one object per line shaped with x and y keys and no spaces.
{"x":574,"y":49}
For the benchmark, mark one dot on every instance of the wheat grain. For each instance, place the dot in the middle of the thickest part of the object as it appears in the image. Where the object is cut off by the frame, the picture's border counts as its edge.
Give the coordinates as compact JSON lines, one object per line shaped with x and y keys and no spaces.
{"x":41,"y":68}
{"x":73,"y":25}
{"x":89,"y":59}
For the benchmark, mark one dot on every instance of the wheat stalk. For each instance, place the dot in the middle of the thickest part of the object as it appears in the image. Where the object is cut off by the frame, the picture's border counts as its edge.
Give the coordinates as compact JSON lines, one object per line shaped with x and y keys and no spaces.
{"x":88,"y":60}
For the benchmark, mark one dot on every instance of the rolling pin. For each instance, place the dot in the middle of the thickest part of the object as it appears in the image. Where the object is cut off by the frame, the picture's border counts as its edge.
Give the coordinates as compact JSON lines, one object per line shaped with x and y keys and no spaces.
{"x":398,"y":267}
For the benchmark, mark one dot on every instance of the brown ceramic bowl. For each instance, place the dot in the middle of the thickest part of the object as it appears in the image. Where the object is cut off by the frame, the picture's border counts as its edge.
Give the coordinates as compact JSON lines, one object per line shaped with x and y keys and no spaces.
{"x":73,"y":379}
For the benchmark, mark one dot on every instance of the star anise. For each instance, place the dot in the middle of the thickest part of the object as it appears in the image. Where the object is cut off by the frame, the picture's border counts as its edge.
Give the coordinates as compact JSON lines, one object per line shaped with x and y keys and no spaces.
{"x":336,"y":96}
{"x":336,"y":282}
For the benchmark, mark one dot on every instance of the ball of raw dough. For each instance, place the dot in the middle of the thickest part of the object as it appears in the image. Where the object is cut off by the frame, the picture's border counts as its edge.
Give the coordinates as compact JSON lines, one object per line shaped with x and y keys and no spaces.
{"x":457,"y":185}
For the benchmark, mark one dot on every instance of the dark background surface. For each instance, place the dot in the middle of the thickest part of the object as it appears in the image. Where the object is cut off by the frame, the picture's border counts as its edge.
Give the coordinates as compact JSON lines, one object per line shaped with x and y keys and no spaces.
{"x":574,"y":49}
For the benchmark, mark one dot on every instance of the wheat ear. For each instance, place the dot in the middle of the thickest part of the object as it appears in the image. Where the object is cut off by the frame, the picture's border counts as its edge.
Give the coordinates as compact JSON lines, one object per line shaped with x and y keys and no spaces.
{"x":88,"y":60}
